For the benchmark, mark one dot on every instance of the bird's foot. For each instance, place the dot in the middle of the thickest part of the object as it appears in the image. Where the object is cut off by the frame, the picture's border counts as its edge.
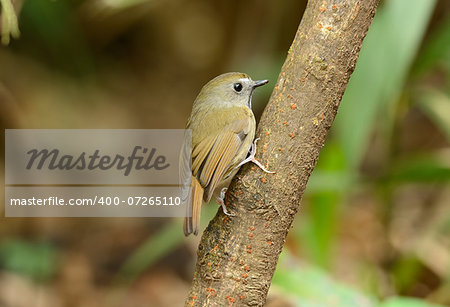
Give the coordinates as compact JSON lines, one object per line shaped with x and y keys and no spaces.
{"x":251,"y":158}
{"x":221,"y":201}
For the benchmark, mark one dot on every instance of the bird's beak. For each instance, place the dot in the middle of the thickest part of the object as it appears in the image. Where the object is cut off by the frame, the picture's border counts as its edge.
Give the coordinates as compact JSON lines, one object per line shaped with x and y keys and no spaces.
{"x":260,"y":83}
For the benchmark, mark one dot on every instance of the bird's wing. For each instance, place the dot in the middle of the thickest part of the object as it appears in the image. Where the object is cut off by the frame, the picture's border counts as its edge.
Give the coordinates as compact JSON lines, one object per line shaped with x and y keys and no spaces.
{"x":212,"y":156}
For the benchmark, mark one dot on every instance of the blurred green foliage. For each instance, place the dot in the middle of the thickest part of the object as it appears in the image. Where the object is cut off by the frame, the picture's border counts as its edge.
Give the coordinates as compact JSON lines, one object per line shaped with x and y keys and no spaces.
{"x":370,"y":102}
{"x":141,"y":53}
{"x":384,"y":62}
{"x":387,"y":73}
{"x":310,"y":286}
{"x":56,"y":35}
{"x":156,"y":247}
{"x":35,"y":259}
{"x":372,"y":93}
{"x":10,"y":26}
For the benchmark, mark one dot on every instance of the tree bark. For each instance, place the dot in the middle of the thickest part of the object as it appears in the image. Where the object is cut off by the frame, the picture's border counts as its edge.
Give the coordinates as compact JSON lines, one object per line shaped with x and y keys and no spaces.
{"x":237,"y":255}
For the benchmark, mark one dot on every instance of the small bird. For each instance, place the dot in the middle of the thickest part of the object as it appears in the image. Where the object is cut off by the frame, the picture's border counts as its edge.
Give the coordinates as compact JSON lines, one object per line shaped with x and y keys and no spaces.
{"x":223,"y":127}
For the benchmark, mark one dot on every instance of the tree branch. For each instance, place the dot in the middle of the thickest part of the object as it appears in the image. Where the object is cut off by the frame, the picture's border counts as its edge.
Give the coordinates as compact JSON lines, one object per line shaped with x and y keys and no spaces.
{"x":237,"y":255}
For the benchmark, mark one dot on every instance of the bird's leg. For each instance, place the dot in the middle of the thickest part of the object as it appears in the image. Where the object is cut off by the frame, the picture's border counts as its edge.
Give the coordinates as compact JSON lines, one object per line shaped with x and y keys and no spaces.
{"x":221,"y":201}
{"x":251,"y":158}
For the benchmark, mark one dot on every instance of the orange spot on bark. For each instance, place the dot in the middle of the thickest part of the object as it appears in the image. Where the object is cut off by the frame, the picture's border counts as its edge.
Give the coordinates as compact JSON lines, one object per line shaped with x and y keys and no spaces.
{"x":247,"y":268}
{"x":252,"y":228}
{"x":270,"y":243}
{"x":263,"y":180}
{"x":250,"y":235}
{"x":211,"y":290}
{"x":293,"y":106}
{"x":319,"y":26}
{"x":285,"y":123}
{"x":242,"y":297}
{"x":244,"y":275}
{"x":334,"y":7}
{"x":328,"y":28}
{"x":291,"y":135}
{"x":322,"y":9}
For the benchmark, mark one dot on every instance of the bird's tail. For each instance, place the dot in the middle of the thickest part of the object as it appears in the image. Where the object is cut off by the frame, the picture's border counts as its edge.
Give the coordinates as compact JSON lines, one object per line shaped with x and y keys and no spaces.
{"x":193,"y":208}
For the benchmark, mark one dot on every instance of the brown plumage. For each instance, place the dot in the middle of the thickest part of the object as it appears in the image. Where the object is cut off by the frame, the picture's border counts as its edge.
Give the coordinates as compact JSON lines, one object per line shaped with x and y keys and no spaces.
{"x":223,"y":128}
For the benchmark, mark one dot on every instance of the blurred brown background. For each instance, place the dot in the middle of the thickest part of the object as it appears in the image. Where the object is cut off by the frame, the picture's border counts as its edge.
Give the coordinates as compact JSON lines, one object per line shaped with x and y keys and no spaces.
{"x":375,"y":222}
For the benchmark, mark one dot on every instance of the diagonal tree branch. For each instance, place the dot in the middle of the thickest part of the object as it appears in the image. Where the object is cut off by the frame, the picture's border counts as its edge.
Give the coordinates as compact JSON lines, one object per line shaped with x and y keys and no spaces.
{"x":237,"y":255}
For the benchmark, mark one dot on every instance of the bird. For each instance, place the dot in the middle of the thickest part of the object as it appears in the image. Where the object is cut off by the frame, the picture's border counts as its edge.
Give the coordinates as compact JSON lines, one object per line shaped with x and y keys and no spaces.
{"x":222,"y":128}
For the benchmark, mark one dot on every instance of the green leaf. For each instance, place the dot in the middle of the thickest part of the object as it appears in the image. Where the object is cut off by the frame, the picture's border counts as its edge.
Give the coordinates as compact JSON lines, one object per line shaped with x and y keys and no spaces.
{"x":385,"y":59}
{"x":34,"y":259}
{"x":10,"y":25}
{"x":406,"y":271}
{"x":423,"y":168}
{"x":325,"y":189}
{"x":310,"y":286}
{"x":330,"y":173}
{"x":436,"y":105}
{"x":322,"y":180}
{"x":159,"y":245}
{"x":437,"y":50}
{"x":156,"y":247}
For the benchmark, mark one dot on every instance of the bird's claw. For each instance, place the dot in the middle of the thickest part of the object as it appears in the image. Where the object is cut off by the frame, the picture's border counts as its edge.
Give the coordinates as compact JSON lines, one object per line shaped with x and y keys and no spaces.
{"x":221,"y":201}
{"x":251,"y":158}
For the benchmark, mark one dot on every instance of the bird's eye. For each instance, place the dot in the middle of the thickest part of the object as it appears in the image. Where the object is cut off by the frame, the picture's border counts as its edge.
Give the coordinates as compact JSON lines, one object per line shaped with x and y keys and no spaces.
{"x":237,"y":87}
